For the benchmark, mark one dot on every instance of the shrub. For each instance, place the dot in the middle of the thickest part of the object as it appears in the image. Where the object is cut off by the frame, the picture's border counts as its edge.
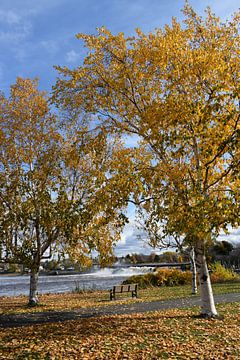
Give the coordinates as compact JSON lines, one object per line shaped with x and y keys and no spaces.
{"x":163,"y":277}
{"x":220,"y":274}
{"x":143,"y":281}
{"x":173,"y":277}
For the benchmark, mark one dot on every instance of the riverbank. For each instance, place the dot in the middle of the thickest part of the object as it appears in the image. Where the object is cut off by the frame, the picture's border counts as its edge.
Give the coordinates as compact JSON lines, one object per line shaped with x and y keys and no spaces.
{"x":44,"y":273}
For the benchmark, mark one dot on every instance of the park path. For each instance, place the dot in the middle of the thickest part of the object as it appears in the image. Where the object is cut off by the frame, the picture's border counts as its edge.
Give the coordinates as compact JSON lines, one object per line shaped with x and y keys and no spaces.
{"x":26,"y":319}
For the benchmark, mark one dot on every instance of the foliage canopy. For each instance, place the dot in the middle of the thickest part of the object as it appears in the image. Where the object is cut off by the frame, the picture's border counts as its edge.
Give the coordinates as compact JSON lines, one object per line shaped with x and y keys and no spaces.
{"x":177,"y":89}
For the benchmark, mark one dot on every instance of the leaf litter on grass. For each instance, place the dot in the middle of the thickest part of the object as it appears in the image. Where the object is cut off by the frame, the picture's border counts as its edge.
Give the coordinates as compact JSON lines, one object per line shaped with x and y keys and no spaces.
{"x":170,"y":334}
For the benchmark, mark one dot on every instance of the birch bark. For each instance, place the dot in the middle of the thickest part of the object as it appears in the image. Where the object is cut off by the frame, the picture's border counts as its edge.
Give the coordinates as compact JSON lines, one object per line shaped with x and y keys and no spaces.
{"x":194,"y":271}
{"x":208,"y":308}
{"x":33,"y":298}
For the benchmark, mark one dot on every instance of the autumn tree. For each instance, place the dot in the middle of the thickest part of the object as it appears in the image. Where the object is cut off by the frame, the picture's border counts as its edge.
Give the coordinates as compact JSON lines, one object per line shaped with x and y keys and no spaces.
{"x":28,"y":151}
{"x":177,"y":89}
{"x":55,"y":188}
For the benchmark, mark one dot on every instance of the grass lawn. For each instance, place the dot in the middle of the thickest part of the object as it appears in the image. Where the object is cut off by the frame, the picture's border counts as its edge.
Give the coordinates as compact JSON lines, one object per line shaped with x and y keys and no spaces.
{"x":170,"y":334}
{"x":70,"y":301}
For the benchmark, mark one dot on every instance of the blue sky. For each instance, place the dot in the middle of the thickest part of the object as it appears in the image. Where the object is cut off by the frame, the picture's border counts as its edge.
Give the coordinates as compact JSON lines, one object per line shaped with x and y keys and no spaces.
{"x":35,"y":35}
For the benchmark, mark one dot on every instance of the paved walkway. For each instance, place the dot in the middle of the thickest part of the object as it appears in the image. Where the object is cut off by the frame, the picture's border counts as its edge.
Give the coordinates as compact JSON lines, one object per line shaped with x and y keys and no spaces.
{"x":16,"y":320}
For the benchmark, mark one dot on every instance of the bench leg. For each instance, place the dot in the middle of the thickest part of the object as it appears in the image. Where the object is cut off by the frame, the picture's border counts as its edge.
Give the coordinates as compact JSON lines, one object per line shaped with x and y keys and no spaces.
{"x":112,"y":295}
{"x":134,"y":294}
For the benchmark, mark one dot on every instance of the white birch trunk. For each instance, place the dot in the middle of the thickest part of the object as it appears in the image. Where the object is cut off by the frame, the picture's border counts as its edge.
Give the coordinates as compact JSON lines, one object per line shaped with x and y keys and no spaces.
{"x":33,"y":299}
{"x":194,"y":271}
{"x":208,"y":308}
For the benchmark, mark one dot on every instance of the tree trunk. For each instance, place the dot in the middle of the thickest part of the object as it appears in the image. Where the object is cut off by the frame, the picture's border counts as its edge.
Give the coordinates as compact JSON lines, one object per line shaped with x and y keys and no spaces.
{"x":194,"y":271}
{"x":208,"y":308}
{"x":33,"y":299}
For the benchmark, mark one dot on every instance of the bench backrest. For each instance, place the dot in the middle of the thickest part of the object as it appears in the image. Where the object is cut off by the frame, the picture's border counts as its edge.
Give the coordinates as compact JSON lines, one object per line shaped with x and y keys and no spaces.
{"x":125,"y":288}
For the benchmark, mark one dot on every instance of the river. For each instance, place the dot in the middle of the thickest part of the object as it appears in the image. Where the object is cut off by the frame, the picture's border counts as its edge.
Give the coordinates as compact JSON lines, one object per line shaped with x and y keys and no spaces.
{"x":102,"y":279}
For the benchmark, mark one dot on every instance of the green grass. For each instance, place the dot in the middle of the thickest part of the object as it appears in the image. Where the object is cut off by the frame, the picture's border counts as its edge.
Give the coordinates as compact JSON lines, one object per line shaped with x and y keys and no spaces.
{"x":71,"y":301}
{"x":175,"y":292}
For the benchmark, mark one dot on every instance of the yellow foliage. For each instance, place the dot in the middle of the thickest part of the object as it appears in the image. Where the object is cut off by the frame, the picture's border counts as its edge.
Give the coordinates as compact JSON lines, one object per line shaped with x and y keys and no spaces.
{"x":57,"y":182}
{"x":177,"y":89}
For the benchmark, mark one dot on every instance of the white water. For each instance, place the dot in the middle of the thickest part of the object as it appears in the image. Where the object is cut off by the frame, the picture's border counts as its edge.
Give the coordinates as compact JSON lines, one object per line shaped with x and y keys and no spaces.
{"x":128,"y":271}
{"x":100,"y":279}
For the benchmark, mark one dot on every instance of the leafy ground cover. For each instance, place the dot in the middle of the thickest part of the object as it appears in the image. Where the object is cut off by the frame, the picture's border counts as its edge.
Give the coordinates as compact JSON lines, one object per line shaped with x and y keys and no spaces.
{"x":71,"y":301}
{"x":171,"y":334}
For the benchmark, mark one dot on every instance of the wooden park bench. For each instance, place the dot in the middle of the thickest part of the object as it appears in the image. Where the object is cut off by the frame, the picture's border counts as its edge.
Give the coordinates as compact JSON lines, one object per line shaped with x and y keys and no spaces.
{"x":119,"y":289}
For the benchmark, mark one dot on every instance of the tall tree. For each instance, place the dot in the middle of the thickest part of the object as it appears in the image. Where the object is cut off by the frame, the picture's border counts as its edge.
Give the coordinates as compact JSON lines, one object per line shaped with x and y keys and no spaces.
{"x":56,"y":193}
{"x":178,"y":90}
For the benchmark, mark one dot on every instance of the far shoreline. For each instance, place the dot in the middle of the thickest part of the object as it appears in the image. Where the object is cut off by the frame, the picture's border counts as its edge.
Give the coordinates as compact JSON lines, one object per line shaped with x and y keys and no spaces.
{"x":50,"y":273}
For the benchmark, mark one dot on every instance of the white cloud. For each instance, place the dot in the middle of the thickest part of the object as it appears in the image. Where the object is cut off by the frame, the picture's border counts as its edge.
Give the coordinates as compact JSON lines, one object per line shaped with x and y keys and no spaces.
{"x":72,"y":56}
{"x":127,"y":234}
{"x":14,"y":27}
{"x":130,"y":241}
{"x":233,"y":236}
{"x":37,"y":7}
{"x":9,"y":17}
